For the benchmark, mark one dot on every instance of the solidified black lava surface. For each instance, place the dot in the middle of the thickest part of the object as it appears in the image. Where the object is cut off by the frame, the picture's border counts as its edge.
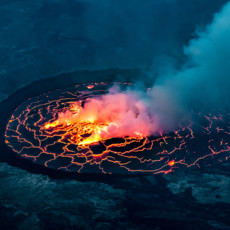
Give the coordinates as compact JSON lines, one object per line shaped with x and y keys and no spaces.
{"x":42,"y":198}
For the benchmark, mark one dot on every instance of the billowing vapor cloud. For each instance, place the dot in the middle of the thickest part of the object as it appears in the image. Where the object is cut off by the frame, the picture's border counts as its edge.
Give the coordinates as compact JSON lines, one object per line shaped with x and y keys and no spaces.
{"x":133,"y":113}
{"x":204,"y":82}
{"x":116,"y":114}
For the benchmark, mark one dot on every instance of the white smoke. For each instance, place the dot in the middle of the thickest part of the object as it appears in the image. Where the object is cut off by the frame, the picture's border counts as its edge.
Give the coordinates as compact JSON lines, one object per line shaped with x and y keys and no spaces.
{"x":203,"y":83}
{"x":205,"y":79}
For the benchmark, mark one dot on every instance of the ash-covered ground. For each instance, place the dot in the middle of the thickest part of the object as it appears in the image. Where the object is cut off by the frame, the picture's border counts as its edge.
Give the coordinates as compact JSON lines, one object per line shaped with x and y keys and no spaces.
{"x":45,"y":38}
{"x":182,"y":200}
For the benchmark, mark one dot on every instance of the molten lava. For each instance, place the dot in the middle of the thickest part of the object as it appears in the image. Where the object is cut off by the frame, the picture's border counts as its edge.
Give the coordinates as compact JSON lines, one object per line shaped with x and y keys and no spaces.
{"x":85,"y":129}
{"x":102,"y":118}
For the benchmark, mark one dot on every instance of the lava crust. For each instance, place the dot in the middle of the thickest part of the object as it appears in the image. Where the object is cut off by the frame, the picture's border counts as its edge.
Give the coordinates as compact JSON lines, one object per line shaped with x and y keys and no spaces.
{"x":30,"y":134}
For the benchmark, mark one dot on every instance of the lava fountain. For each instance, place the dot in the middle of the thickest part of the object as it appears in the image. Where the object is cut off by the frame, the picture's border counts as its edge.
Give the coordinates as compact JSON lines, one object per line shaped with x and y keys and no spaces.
{"x":86,"y":130}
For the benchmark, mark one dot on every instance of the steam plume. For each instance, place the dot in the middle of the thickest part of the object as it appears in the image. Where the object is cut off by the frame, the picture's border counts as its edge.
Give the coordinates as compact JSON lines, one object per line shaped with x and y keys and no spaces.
{"x":204,"y":82}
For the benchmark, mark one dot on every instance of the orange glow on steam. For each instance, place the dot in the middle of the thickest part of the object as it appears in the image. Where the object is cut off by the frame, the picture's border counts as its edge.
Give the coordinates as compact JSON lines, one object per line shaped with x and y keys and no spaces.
{"x":108,"y":116}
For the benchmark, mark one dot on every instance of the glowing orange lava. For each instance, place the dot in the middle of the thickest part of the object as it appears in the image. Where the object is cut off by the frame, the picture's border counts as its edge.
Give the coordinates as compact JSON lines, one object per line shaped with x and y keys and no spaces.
{"x":74,"y":130}
{"x":86,"y":126}
{"x":171,"y":163}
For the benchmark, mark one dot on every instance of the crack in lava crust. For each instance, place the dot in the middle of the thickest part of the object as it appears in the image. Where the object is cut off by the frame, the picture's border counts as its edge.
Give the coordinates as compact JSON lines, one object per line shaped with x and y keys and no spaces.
{"x":33,"y":133}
